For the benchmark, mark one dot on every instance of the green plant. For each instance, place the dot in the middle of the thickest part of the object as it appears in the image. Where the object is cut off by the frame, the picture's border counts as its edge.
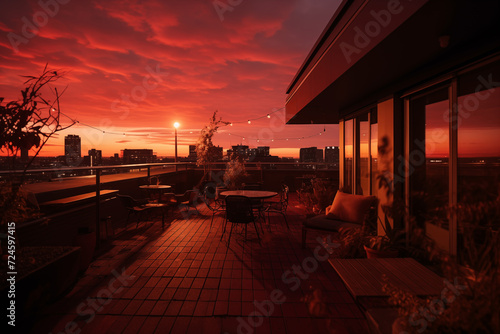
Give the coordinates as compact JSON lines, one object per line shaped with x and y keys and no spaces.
{"x":316,"y":196}
{"x":206,"y":151}
{"x":472,"y":306}
{"x":25,"y":124}
{"x":352,"y":241}
{"x":235,"y":173}
{"x":393,"y":238}
{"x":15,"y":204}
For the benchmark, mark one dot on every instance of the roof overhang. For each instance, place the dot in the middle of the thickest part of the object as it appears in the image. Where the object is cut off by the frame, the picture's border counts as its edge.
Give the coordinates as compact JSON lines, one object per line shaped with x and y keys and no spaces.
{"x":371,"y":47}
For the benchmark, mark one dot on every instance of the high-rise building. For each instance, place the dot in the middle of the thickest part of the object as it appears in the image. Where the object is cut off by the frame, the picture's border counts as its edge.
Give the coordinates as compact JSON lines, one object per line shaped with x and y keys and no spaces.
{"x":332,"y":154}
{"x":192,"y":153}
{"x":311,"y":154}
{"x":73,"y":150}
{"x":319,"y":155}
{"x":95,"y":157}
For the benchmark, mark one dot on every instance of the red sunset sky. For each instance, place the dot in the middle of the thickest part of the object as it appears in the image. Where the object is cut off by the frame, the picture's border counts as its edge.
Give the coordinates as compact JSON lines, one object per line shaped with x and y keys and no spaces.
{"x":238,"y":61}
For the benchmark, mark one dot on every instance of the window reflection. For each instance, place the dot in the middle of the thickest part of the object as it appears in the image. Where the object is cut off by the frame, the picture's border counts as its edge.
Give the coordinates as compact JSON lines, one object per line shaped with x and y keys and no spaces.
{"x":429,"y":156}
{"x":348,"y":160}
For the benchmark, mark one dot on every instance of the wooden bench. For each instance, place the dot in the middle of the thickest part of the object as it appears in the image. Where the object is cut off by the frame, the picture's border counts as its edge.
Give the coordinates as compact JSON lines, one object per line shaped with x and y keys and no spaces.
{"x":78,"y":198}
{"x":363,"y":279}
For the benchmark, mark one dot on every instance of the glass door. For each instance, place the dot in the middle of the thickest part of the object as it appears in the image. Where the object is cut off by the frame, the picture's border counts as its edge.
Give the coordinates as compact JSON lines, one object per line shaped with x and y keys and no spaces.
{"x":428,"y":163}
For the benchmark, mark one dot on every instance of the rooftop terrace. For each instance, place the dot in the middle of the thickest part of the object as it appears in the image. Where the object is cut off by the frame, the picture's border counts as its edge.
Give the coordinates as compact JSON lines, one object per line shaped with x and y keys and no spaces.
{"x":184,"y":279}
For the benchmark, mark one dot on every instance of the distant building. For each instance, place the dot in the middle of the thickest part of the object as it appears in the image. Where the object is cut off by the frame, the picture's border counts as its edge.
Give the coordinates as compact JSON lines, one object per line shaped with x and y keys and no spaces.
{"x":138,"y":156}
{"x":240,"y":150}
{"x":311,"y":154}
{"x":192,"y":153}
{"x":95,"y":157}
{"x":319,"y":155}
{"x":73,"y":150}
{"x":332,"y":154}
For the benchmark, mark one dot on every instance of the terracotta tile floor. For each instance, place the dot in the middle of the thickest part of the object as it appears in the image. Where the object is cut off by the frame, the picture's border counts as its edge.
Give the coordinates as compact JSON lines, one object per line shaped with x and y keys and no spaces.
{"x":185,"y":280}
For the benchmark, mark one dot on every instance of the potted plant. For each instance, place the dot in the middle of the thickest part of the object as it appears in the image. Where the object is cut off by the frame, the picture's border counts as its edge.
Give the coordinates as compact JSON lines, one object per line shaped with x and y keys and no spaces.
{"x":469,"y":300}
{"x":387,"y":245}
{"x":316,"y":196}
{"x":235,"y":173}
{"x":352,"y":242}
{"x":206,"y":152}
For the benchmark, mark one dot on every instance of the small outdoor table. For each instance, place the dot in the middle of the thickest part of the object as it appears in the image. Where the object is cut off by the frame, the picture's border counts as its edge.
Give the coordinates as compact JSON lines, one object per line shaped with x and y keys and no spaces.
{"x":252,"y":194}
{"x":157,"y":189}
{"x":255,"y":195}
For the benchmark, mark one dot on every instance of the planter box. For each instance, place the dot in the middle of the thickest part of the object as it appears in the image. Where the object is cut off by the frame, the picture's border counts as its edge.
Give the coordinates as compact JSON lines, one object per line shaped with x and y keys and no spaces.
{"x":44,"y":274}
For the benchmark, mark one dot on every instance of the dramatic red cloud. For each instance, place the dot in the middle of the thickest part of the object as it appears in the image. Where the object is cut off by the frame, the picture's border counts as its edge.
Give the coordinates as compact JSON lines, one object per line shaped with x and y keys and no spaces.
{"x":135,"y":67}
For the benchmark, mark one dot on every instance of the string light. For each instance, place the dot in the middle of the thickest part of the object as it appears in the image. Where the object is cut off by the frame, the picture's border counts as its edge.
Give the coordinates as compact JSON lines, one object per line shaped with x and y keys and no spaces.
{"x":258,"y":140}
{"x":148,"y":135}
{"x":249,"y":121}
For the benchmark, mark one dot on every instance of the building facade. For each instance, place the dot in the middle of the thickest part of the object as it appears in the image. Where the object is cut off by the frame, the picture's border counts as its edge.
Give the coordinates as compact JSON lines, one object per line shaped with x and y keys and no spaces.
{"x":414,"y":87}
{"x":138,"y":156}
{"x":73,"y":150}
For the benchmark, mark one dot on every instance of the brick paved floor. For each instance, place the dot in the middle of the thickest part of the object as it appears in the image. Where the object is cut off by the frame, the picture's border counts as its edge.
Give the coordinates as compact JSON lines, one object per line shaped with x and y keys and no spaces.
{"x":185,"y":280}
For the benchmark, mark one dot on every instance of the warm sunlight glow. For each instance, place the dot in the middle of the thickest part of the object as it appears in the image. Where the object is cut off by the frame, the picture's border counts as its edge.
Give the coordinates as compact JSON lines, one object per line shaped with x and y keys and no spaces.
{"x":176,"y":125}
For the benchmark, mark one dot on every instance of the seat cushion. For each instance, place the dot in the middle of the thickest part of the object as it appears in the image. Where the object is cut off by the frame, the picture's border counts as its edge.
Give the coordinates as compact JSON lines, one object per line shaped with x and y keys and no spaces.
{"x":323,"y":223}
{"x":350,"y":208}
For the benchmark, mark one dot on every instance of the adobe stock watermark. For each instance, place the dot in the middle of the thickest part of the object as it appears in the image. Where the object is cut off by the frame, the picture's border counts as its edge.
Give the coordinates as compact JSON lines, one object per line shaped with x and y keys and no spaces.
{"x":31,"y":27}
{"x":90,"y":307}
{"x":223,"y":6}
{"x":363,"y":36}
{"x":436,"y":307}
{"x":293,"y":278}
{"x":126,"y":103}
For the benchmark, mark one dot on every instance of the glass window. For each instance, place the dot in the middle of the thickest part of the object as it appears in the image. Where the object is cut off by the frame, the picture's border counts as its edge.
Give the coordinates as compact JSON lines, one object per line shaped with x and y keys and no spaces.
{"x":429,"y":156}
{"x":348,"y":155}
{"x":374,"y":150}
{"x":478,"y":136}
{"x":363,"y":170}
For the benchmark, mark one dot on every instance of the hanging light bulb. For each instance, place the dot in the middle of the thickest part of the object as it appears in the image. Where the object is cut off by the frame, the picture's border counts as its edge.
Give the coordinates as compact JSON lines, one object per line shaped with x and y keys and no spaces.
{"x":249,"y":122}
{"x":268,"y":116}
{"x":230,"y":124}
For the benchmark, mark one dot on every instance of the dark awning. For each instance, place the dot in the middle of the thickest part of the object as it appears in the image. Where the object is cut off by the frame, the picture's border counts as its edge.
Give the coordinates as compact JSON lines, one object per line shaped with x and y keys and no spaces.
{"x":372,"y":48}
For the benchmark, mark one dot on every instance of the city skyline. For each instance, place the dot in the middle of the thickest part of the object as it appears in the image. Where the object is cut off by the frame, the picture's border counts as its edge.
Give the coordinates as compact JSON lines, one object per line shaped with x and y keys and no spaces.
{"x":137,"y":69}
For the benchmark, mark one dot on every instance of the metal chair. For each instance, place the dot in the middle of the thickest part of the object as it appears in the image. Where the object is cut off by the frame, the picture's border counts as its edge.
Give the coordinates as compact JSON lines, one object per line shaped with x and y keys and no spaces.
{"x":239,"y":211}
{"x":134,"y":207}
{"x":279,"y":207}
{"x":252,"y":186}
{"x":188,"y":200}
{"x":211,"y":200}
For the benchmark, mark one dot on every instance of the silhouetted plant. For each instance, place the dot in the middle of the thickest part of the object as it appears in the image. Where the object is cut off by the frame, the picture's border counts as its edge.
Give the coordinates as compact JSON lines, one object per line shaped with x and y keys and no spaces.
{"x":316,"y":196}
{"x":206,"y":152}
{"x":235,"y":172}
{"x":25,"y":124}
